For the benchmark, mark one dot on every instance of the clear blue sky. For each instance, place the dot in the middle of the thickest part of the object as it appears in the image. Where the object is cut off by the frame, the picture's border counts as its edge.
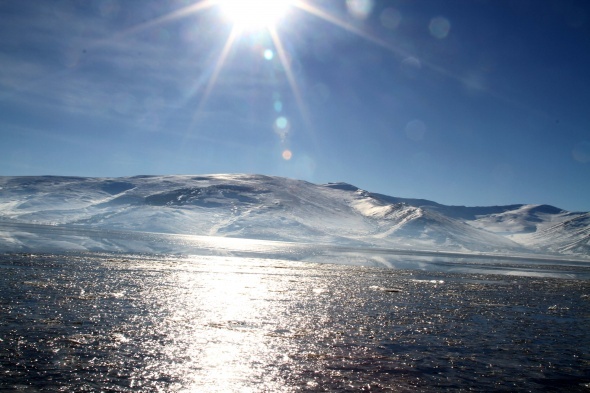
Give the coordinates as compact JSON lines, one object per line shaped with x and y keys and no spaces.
{"x":465,"y":102}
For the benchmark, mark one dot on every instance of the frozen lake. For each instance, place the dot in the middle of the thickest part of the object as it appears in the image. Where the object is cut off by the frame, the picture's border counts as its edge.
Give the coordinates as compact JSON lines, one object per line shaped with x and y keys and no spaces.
{"x":19,"y":237}
{"x":263,"y":316}
{"x":132,"y":311}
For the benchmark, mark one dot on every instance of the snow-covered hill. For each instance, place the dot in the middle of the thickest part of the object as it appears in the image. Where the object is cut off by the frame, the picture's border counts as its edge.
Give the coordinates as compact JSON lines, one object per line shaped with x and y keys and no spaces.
{"x":274,"y":208}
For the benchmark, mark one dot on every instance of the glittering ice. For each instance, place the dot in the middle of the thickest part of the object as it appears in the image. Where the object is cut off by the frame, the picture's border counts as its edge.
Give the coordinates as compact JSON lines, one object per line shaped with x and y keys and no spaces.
{"x":108,"y":322}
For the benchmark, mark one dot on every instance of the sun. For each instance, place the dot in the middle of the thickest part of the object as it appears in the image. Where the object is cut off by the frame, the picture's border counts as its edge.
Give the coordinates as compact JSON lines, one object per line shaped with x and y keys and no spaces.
{"x":254,"y":14}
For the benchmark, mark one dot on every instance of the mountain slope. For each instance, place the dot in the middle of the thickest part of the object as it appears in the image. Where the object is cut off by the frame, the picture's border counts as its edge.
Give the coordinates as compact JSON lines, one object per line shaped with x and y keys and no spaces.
{"x":571,"y":236}
{"x":274,"y":208}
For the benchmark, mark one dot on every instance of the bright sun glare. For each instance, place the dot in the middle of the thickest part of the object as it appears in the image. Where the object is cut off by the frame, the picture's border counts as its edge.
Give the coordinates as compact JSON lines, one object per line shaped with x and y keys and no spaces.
{"x":254,"y":14}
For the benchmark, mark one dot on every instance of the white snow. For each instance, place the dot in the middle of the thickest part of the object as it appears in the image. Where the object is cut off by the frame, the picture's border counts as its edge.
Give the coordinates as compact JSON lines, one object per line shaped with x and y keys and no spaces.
{"x":271,"y":208}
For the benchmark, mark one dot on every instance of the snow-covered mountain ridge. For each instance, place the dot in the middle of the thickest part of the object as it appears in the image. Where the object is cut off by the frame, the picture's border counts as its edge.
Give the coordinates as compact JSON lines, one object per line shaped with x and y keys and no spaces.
{"x":275,"y":208}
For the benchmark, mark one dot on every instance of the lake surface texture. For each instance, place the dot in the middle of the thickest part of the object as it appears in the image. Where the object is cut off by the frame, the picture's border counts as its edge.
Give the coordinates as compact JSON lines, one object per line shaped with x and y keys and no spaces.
{"x":227,"y":323}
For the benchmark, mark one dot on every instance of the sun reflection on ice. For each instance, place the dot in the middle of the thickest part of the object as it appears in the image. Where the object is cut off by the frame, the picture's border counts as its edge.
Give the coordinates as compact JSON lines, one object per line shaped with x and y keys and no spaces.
{"x":229,"y":306}
{"x":216,"y":327}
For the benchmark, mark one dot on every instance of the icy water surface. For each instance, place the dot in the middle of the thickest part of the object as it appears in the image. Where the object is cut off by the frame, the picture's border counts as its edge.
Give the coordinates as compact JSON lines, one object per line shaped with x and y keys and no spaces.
{"x":23,"y":237}
{"x":122,"y":323}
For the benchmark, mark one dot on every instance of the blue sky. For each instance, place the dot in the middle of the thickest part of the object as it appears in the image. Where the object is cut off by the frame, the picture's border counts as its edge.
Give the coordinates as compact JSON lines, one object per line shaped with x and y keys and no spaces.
{"x":462,"y":102}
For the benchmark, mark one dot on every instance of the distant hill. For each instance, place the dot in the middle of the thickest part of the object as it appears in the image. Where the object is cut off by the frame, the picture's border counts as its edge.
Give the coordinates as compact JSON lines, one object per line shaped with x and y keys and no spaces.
{"x":275,"y":208}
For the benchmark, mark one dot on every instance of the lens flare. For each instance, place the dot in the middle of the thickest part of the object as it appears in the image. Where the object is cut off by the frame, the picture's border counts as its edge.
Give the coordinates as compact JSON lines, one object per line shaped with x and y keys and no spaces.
{"x":268,"y":54}
{"x":390,"y":18}
{"x":287,"y":154}
{"x":439,"y":27}
{"x":278,"y":106}
{"x":282,"y":123}
{"x":281,"y":127}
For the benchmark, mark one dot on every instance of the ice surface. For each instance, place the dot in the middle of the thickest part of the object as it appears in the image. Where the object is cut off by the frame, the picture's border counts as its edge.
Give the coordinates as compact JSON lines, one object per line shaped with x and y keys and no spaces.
{"x":137,"y":323}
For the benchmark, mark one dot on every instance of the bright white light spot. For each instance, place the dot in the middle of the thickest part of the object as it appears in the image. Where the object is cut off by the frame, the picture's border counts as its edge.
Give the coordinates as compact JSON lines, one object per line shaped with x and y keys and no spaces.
{"x":269,"y":54}
{"x":254,"y":14}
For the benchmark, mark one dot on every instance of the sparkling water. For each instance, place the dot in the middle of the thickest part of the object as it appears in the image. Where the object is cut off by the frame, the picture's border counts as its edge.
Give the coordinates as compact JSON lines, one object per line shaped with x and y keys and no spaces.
{"x":210,"y":323}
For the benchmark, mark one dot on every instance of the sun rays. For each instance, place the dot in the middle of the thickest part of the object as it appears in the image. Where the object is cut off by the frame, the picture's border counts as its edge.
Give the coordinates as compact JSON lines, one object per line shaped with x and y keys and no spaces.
{"x":261,"y":23}
{"x":256,"y":16}
{"x":252,"y":17}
